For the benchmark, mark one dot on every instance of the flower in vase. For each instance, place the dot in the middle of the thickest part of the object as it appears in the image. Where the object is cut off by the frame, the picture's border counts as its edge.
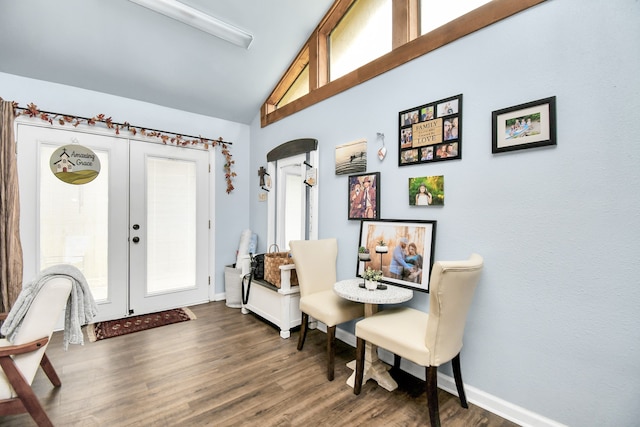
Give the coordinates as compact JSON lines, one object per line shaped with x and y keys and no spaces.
{"x":372,"y":275}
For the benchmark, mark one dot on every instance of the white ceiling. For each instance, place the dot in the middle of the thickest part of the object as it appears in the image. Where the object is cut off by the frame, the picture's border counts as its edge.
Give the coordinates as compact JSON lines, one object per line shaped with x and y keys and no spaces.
{"x":121,"y":48}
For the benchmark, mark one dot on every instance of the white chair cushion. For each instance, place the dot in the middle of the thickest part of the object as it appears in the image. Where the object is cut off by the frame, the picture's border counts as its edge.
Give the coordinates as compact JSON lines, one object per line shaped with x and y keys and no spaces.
{"x":39,"y":322}
{"x":330,"y":309}
{"x":400,"y":330}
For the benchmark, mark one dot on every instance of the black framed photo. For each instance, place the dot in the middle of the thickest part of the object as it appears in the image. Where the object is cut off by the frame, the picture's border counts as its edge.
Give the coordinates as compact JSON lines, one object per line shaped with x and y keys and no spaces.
{"x":524,"y":126}
{"x":431,"y":132}
{"x":402,"y":249}
{"x":364,"y":196}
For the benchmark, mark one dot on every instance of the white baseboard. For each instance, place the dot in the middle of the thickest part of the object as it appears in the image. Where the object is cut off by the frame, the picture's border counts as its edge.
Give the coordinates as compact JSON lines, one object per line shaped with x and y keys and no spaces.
{"x":493,"y":404}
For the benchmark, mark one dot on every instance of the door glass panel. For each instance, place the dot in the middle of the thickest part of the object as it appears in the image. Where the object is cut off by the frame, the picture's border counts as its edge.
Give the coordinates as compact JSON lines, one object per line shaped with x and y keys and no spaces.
{"x":171,"y":222}
{"x":74,"y":223}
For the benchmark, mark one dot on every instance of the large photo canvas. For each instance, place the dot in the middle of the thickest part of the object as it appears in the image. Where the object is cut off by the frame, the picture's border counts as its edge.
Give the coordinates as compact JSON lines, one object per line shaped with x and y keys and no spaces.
{"x":409,"y":252}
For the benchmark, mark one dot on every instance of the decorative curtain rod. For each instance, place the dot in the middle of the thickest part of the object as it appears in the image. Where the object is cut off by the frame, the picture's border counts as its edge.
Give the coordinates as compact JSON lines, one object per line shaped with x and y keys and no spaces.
{"x":179,"y":139}
{"x":110,"y":123}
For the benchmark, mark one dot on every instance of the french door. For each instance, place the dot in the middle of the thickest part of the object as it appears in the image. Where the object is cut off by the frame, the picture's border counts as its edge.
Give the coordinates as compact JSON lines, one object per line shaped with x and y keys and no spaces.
{"x":138,"y":232}
{"x":168,"y":226}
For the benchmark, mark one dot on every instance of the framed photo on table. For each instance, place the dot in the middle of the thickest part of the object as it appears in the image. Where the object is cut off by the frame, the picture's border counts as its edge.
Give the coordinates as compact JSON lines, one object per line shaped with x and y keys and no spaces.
{"x":364,"y":196}
{"x":524,"y":126}
{"x":408,"y":258}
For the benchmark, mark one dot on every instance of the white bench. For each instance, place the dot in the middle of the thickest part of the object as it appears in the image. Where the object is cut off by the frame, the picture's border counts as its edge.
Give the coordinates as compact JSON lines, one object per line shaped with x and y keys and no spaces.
{"x":280,"y":306}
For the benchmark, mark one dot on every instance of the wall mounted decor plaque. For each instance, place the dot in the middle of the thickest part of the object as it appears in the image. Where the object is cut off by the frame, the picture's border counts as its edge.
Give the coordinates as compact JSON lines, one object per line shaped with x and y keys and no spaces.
{"x":75,"y":164}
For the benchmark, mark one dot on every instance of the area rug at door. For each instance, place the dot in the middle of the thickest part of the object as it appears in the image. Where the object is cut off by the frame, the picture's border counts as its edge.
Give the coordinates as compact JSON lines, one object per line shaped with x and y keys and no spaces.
{"x":115,"y":328}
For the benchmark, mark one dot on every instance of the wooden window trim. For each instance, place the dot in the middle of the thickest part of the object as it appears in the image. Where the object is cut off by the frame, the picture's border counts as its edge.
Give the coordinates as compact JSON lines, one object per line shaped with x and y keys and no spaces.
{"x":406,"y":21}
{"x":290,"y":76}
{"x":405,"y":49}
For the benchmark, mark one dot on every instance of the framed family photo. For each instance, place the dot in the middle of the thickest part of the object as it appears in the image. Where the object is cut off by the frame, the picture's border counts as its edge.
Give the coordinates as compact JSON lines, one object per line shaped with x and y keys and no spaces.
{"x":431,"y":132}
{"x":524,"y":126}
{"x":409,"y":245}
{"x":364,"y":196}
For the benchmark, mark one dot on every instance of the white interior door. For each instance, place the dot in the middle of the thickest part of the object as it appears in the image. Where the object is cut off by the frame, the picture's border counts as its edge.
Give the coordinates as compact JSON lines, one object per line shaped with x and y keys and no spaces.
{"x":91,"y":225}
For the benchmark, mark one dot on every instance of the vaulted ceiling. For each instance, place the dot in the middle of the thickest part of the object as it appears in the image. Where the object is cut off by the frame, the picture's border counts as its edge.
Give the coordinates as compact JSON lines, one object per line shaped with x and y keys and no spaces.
{"x":121,"y":48}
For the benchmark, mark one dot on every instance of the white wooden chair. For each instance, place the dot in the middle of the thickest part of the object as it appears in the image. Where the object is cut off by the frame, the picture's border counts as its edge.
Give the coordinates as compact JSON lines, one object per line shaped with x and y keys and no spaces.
{"x":315,"y":262}
{"x":20,"y":360}
{"x":427,"y":339}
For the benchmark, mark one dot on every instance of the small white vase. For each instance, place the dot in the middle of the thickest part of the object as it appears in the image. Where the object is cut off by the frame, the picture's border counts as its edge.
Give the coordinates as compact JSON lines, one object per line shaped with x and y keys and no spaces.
{"x":370,"y":284}
{"x":364,"y":257}
{"x":382,"y":249}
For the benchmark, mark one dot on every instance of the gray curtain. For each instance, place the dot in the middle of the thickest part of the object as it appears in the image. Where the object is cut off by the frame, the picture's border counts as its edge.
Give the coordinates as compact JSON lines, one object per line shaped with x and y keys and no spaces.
{"x":10,"y":246}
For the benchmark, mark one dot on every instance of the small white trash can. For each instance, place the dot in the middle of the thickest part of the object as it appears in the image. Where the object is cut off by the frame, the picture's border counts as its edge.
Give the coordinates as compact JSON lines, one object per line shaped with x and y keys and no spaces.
{"x":233,"y":286}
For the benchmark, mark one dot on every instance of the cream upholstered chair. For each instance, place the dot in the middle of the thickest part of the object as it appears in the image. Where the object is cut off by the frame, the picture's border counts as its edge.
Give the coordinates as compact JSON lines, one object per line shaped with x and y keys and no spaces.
{"x":315,"y":262}
{"x":20,"y":360}
{"x":431,"y":339}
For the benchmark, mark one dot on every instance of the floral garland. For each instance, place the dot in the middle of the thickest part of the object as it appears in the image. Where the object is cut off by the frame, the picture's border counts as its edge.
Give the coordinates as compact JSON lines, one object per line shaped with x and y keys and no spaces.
{"x":32,"y":111}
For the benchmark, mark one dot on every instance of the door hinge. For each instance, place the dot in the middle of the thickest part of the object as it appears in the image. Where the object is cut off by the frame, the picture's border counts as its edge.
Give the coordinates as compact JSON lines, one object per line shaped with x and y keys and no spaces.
{"x":209,"y":167}
{"x":209,"y":224}
{"x":209,"y":278}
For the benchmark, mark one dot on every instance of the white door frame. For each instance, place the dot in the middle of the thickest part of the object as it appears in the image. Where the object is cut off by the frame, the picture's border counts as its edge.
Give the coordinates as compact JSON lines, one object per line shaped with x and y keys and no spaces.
{"x":311,"y":198}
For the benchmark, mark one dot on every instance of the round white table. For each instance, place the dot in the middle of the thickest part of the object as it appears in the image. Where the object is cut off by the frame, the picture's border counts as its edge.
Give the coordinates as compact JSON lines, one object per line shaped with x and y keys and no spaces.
{"x":374,"y":368}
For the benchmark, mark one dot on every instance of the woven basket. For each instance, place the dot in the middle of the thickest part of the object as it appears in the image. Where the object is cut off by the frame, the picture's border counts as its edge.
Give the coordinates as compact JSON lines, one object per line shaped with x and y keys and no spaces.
{"x":272,"y":263}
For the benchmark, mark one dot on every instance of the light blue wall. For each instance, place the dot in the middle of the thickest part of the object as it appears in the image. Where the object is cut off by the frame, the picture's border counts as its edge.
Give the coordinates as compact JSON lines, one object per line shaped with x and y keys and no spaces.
{"x":230,"y":210}
{"x":554,"y":326}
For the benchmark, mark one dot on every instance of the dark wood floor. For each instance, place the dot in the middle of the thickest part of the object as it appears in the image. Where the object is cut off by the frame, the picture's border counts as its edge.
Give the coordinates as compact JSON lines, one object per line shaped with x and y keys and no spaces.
{"x":226,"y":369}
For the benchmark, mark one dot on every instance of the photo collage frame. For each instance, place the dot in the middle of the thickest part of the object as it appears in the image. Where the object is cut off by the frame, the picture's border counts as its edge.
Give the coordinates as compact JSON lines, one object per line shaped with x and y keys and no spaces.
{"x":431,"y":132}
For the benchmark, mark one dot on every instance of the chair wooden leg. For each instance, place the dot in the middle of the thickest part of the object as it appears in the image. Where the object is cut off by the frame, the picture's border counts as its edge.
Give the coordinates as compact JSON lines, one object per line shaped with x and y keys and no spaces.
{"x":25,"y":392}
{"x":457,"y":374}
{"x":331,"y":351}
{"x":357,"y":385}
{"x":432,"y":395}
{"x":48,"y":369}
{"x":304,"y":325}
